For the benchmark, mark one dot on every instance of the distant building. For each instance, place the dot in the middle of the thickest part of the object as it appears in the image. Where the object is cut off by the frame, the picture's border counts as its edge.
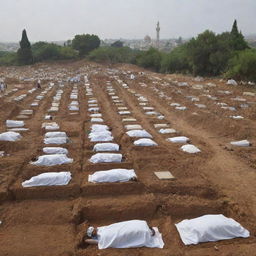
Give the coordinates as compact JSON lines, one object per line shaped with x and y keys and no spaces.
{"x":147,"y":39}
{"x":144,"y":44}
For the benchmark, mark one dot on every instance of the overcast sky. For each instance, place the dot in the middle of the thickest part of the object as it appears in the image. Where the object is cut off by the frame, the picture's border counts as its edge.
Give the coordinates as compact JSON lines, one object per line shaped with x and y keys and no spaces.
{"x":62,"y":19}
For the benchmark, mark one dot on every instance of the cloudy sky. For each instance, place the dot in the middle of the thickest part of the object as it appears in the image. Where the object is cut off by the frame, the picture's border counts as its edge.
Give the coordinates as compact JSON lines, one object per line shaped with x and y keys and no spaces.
{"x":62,"y":19}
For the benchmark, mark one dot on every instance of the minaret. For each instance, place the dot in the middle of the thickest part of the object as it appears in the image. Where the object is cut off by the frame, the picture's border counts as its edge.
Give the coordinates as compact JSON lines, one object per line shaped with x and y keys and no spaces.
{"x":157,"y":34}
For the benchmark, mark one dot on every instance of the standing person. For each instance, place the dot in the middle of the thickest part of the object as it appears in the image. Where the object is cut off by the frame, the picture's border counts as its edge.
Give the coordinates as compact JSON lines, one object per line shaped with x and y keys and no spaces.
{"x":4,"y":86}
{"x":1,"y":87}
{"x":39,"y":84}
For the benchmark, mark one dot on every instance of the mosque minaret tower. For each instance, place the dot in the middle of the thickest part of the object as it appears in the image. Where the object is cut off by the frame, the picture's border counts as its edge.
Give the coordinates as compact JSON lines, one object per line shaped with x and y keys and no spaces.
{"x":157,"y":34}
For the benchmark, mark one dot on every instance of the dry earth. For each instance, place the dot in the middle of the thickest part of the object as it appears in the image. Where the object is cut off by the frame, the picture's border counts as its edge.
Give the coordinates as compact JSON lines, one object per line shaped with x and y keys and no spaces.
{"x":50,"y":221}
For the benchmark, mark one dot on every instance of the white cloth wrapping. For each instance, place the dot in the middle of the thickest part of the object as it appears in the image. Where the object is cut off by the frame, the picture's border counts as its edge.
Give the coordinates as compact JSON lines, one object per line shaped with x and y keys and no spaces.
{"x":179,"y":139}
{"x":139,"y":133}
{"x":18,"y":130}
{"x":114,"y":175}
{"x":14,"y":123}
{"x":100,"y":136}
{"x":74,"y":103}
{"x":53,"y":109}
{"x":55,"y":150}
{"x":55,"y":135}
{"x":95,"y":115}
{"x":73,"y":108}
{"x":52,"y":127}
{"x":51,"y":160}
{"x":99,"y":127}
{"x":237,"y":117}
{"x":128,"y":234}
{"x":166,"y":131}
{"x":210,"y":228}
{"x":133,"y":127}
{"x":73,"y":97}
{"x":10,"y":136}
{"x":145,"y":143}
{"x":57,"y":140}
{"x":54,"y":124}
{"x":106,"y":158}
{"x":106,"y":147}
{"x":92,"y":101}
{"x":48,"y":179}
{"x":97,"y":120}
{"x":191,"y":149}
{"x":124,"y":112}
{"x":241,"y":143}
{"x":232,"y":82}
{"x":181,"y":108}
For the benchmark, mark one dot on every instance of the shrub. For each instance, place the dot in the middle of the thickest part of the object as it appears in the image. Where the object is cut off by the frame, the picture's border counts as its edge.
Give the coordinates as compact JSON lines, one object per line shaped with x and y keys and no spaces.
{"x":8,"y":58}
{"x":150,"y":59}
{"x":113,"y":55}
{"x":85,"y":43}
{"x":176,"y":61}
{"x":49,"y":51}
{"x":243,"y":66}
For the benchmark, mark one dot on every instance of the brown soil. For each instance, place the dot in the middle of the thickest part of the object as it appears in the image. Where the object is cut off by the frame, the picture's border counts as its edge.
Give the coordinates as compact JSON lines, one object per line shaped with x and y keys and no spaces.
{"x":50,"y":221}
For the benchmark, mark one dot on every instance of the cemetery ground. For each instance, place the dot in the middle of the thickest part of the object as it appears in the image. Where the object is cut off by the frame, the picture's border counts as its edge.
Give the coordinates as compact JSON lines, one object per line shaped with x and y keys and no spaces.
{"x":220,"y":179}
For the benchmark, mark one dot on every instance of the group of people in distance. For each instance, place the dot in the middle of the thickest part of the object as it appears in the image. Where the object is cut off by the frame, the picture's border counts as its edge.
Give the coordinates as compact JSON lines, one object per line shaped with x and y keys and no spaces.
{"x":3,"y":86}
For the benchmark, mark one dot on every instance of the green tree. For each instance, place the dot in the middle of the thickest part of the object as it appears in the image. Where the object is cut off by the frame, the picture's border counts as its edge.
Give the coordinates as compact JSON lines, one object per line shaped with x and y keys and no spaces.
{"x":150,"y":59}
{"x":113,"y":55}
{"x":199,"y":53}
{"x":24,"y":54}
{"x":8,"y":58}
{"x":67,"y":53}
{"x":237,"y":38}
{"x":117,"y":44}
{"x":242,"y":65}
{"x":50,"y":51}
{"x":85,"y":43}
{"x":45,"y":51}
{"x":176,"y":61}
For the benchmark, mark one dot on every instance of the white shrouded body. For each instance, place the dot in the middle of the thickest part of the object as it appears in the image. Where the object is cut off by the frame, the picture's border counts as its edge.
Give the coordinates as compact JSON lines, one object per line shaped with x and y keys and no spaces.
{"x":114,"y":175}
{"x":48,"y":179}
{"x":210,"y":228}
{"x":51,"y":160}
{"x":106,"y":158}
{"x":129,"y":234}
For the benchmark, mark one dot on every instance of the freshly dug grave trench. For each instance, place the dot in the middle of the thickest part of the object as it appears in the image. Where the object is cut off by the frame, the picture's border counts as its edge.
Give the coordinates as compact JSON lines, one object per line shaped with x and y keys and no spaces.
{"x":46,"y":192}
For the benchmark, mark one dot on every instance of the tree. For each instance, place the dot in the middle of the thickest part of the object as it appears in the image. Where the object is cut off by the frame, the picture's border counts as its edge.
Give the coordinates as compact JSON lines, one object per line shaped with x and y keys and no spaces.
{"x":85,"y":43}
{"x":176,"y":60}
{"x":150,"y":59}
{"x":199,"y":53}
{"x":237,"y":38}
{"x":118,"y":44}
{"x":50,"y":51}
{"x":24,"y":53}
{"x":242,"y":65}
{"x":69,"y":43}
{"x":113,"y":54}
